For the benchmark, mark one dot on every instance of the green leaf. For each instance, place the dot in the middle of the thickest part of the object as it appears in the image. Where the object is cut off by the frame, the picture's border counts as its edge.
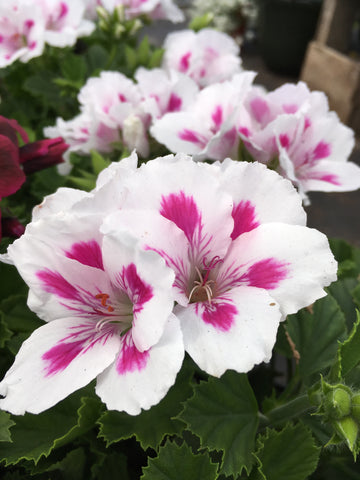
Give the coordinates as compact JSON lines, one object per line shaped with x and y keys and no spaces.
{"x":98,"y":162}
{"x":152,"y":425}
{"x":35,"y":436}
{"x":348,"y":352}
{"x":73,"y":67}
{"x":5,"y":333}
{"x":86,"y":184}
{"x":14,"y":283}
{"x":5,"y":424}
{"x":71,"y":465}
{"x":143,"y":51}
{"x":343,"y":292}
{"x":17,"y":316}
{"x":156,"y":58}
{"x":179,"y":463}
{"x":290,"y":454}
{"x":316,"y":335}
{"x":224,"y":414}
{"x":42,"y":85}
{"x":113,"y":467}
{"x":96,"y":58}
{"x":204,"y":21}
{"x":130,"y":57}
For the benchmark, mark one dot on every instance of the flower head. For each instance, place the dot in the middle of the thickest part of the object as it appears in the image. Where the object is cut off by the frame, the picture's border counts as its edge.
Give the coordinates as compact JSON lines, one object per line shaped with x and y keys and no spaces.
{"x":235,"y":238}
{"x":107,"y":305}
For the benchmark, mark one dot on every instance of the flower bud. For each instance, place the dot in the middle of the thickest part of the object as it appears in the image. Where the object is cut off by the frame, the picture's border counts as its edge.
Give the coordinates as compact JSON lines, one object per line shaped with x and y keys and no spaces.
{"x":338,"y":402}
{"x":355,"y":409}
{"x":348,"y":429}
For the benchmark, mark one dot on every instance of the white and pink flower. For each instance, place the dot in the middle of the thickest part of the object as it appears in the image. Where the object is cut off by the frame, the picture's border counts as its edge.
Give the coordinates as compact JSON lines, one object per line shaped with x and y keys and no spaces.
{"x":207,"y":57}
{"x":208,"y":128}
{"x":22,"y":30}
{"x":234,"y":235}
{"x":65,"y":21}
{"x":111,"y":114}
{"x":108,"y":305}
{"x":165,"y":92}
{"x":155,"y":9}
{"x":295,"y":127}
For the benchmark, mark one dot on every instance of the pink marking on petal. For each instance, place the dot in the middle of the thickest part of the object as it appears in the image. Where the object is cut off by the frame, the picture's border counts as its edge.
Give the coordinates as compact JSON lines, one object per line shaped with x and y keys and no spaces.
{"x":244,"y":131}
{"x":129,"y":358}
{"x":63,"y":10}
{"x":55,"y":283}
{"x":331,"y":178}
{"x":61,"y":355}
{"x":259,"y":108}
{"x":244,"y":216}
{"x":183,"y":211}
{"x":137,"y":290}
{"x":1,"y":38}
{"x":184,"y":62}
{"x":267,"y":274}
{"x":32,"y":45}
{"x":87,"y":253}
{"x":290,"y":108}
{"x":230,"y":136}
{"x":193,"y":137}
{"x":29,"y":24}
{"x":217,"y":116}
{"x":322,"y":150}
{"x":307,"y":123}
{"x":284,"y":140}
{"x":174,"y":104}
{"x":219,"y":314}
{"x":122,"y":97}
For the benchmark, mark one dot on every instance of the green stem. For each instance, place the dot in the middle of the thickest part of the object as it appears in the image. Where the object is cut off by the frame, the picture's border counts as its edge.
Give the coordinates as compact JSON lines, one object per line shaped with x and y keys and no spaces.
{"x":281,"y":414}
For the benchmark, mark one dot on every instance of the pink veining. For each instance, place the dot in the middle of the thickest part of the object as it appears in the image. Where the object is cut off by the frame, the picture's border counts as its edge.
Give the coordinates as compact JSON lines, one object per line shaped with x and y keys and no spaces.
{"x":219,"y":314}
{"x":182,"y":210}
{"x":193,"y":137}
{"x":61,"y":355}
{"x":88,"y":253}
{"x":129,"y":358}
{"x":322,"y":150}
{"x":174,"y":104}
{"x":185,"y":62}
{"x":267,"y":274}
{"x":55,"y":283}
{"x":217,"y":116}
{"x":284,"y":140}
{"x":244,"y":216}
{"x":259,"y":108}
{"x":137,"y":289}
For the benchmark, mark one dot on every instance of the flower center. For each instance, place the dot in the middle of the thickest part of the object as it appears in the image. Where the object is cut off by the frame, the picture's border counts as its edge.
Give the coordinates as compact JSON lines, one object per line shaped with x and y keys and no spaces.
{"x":203,"y":289}
{"x":122,"y":317}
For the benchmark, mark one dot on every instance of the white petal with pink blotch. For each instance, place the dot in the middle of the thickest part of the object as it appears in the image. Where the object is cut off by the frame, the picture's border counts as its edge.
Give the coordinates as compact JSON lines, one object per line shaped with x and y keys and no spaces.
{"x":105,"y":299}
{"x":243,"y":259}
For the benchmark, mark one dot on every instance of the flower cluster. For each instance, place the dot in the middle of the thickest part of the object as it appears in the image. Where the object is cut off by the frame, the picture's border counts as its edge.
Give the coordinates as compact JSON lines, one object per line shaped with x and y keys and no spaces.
{"x":27,"y":25}
{"x":201,"y":103}
{"x":172,"y":256}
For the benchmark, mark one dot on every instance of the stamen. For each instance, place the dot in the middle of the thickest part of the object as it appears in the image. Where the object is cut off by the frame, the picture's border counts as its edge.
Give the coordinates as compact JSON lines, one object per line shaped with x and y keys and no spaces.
{"x":104,"y":297}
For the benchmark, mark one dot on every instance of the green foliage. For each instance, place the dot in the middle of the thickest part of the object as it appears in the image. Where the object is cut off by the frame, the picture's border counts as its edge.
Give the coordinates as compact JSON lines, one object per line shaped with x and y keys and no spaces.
{"x":178,"y":463}
{"x":223,"y":413}
{"x":290,"y":454}
{"x":152,"y":425}
{"x":58,"y":426}
{"x":316,"y":334}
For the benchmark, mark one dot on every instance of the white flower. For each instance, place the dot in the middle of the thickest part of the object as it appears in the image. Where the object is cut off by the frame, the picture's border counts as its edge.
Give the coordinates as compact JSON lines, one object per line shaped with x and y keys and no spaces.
{"x":108,"y":306}
{"x":207,"y":57}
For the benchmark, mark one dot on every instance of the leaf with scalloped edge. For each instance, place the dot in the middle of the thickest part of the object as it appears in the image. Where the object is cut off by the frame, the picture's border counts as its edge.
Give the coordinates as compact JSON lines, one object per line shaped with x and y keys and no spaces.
{"x":179,"y":463}
{"x":290,"y":454}
{"x":152,"y":425}
{"x":223,"y":412}
{"x":5,"y":424}
{"x":35,"y":436}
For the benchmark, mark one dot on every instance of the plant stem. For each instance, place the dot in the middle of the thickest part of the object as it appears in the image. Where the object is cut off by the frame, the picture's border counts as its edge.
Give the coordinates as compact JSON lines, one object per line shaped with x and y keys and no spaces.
{"x":293,"y":409}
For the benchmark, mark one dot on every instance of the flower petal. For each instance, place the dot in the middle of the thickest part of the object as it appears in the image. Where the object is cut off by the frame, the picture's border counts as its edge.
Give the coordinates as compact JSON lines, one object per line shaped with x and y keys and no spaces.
{"x":57,"y":359}
{"x":237,"y":331}
{"x":293,"y":262}
{"x":136,"y":380}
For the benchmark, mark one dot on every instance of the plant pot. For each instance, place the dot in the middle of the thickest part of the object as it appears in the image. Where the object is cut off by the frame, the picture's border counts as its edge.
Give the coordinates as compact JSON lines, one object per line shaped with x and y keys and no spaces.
{"x":285,"y":29}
